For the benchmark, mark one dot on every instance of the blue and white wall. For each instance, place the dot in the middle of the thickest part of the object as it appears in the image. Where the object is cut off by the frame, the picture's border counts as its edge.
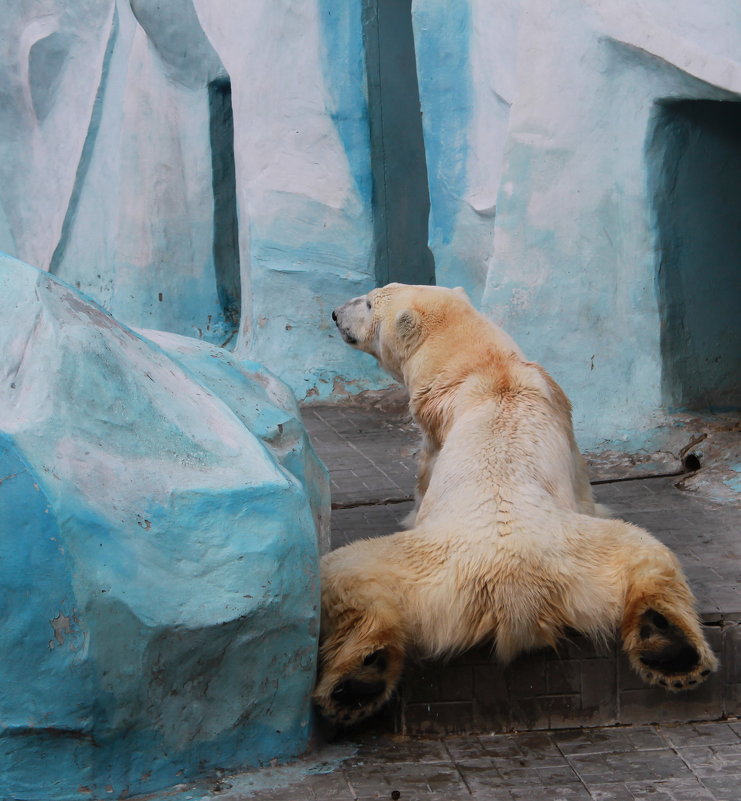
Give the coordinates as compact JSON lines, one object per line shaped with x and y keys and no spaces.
{"x":109,"y":179}
{"x":207,"y":168}
{"x":555,"y":182}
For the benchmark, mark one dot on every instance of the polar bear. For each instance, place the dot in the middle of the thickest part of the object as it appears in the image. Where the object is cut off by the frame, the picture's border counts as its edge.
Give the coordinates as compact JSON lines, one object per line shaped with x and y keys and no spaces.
{"x":506,"y":545}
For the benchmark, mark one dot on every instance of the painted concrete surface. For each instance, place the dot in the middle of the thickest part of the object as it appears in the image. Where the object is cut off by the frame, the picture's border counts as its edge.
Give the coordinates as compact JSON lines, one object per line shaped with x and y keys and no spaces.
{"x":544,"y":162}
{"x":574,"y":271}
{"x":207,"y":169}
{"x":160,"y":558}
{"x":156,"y":155}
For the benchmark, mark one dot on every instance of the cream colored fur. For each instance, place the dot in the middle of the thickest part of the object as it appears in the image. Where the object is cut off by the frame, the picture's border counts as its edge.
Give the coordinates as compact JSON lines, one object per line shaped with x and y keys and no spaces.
{"x":506,"y":545}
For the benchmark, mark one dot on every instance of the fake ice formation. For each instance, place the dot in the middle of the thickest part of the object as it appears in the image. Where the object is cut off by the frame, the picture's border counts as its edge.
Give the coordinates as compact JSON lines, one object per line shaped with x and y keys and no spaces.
{"x":207,"y":168}
{"x":158,"y":513}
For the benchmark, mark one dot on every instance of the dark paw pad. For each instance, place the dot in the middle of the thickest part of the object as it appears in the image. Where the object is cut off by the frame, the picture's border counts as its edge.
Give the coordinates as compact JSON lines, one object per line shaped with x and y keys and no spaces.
{"x":651,"y":623}
{"x":668,"y":651}
{"x":357,"y":693}
{"x":377,"y":660}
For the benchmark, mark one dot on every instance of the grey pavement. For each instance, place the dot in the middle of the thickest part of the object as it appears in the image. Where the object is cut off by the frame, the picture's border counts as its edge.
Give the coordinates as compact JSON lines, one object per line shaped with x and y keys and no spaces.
{"x":686,"y":762}
{"x":371,"y":457}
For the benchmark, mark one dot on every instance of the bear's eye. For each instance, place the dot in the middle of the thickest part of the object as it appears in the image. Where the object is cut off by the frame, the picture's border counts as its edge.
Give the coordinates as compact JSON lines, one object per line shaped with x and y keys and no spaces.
{"x":367,"y":304}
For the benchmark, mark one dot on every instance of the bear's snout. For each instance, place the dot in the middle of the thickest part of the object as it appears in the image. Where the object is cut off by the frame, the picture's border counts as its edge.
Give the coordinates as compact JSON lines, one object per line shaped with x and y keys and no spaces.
{"x":343,"y":327}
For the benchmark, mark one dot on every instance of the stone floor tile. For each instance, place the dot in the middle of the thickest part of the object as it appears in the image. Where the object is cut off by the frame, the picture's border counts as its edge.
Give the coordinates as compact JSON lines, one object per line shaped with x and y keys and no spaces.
{"x":327,"y":787}
{"x":366,"y":779}
{"x":570,"y":792}
{"x":510,"y":767}
{"x":713,"y":760}
{"x":616,"y":791}
{"x":514,"y":775}
{"x":594,"y":769}
{"x":649,"y":765}
{"x":525,"y":745}
{"x":485,"y":782}
{"x":468,"y":749}
{"x":723,"y":788}
{"x":705,"y":734}
{"x":417,"y":795}
{"x":629,"y":766}
{"x":298,"y":792}
{"x":408,"y":779}
{"x":608,"y":740}
{"x":492,"y":794}
{"x":670,"y":790}
{"x":398,"y":749}
{"x":435,"y":776}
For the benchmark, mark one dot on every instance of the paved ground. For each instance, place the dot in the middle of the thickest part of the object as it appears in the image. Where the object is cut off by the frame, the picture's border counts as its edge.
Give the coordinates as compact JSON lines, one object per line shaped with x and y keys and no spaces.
{"x":371,"y":460}
{"x":650,"y":763}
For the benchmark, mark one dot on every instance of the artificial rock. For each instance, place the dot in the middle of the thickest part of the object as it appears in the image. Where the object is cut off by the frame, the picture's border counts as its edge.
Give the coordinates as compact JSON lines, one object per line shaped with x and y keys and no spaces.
{"x":160,"y":557}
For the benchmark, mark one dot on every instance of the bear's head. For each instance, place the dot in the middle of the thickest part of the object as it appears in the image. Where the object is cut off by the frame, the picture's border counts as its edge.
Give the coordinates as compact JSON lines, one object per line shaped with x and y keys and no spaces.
{"x":392,"y":322}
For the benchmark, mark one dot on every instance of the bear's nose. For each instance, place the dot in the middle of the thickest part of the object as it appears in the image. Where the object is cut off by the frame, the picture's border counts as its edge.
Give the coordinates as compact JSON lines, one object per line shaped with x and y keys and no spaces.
{"x":334,"y":316}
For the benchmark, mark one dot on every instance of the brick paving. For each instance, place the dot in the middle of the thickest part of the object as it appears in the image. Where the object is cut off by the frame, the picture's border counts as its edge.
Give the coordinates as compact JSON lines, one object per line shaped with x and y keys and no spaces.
{"x":564,"y":698}
{"x":688,"y":762}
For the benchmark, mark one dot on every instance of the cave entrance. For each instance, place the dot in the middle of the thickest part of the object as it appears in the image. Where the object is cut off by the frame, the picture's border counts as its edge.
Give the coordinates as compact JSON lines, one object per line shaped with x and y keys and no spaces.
{"x":401,"y":197}
{"x":697,"y":196}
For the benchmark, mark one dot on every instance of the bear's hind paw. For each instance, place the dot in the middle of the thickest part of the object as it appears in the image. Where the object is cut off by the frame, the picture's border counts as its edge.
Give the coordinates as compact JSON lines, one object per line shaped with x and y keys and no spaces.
{"x":355,"y":696}
{"x":663,"y":653}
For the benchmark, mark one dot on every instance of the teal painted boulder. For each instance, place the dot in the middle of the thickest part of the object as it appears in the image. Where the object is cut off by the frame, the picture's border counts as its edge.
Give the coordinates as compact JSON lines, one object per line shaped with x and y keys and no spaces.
{"x":158,"y":554}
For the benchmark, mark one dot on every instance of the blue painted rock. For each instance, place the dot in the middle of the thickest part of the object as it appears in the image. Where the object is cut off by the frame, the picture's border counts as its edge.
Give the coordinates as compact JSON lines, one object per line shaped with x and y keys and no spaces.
{"x":158,"y":554}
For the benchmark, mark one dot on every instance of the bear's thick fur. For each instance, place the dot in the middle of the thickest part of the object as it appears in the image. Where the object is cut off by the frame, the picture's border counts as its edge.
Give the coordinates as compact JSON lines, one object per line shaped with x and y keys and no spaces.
{"x":506,"y":545}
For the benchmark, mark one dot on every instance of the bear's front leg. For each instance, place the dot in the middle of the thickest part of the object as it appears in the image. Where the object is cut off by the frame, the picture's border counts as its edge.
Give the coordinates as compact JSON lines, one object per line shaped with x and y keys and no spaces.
{"x":661,"y":632}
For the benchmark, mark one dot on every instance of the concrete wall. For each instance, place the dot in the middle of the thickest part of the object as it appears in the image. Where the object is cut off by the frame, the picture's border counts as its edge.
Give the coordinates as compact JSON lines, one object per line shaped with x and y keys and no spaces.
{"x":216,"y":170}
{"x":556,"y":191}
{"x":197,"y":167}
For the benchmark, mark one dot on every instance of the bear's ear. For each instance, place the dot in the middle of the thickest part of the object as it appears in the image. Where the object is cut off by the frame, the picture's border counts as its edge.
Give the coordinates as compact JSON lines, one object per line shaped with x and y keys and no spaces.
{"x":408,"y":324}
{"x":461,"y":291}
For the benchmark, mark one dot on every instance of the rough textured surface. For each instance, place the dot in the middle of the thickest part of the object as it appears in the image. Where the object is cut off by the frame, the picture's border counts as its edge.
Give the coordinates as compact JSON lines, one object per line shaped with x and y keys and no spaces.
{"x":645,"y":763}
{"x":578,"y":240}
{"x":266,"y":407}
{"x":157,"y":156}
{"x":553,"y":164}
{"x":160,"y":565}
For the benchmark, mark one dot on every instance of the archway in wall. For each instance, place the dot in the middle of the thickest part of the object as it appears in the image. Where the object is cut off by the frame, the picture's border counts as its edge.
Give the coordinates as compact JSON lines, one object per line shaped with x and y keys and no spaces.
{"x":401,"y":198}
{"x":697,"y":197}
